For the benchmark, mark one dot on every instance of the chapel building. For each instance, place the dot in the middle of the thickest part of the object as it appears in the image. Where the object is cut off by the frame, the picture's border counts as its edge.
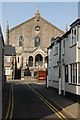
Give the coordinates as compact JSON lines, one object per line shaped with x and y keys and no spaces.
{"x":31,"y":40}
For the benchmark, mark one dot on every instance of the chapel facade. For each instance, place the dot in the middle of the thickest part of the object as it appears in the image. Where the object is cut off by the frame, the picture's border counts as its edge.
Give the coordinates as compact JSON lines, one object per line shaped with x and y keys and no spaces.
{"x":31,"y":40}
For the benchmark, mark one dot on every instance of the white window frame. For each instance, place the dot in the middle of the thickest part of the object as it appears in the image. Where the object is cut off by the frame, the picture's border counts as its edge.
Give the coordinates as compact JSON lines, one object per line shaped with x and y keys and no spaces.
{"x":63,"y":46}
{"x":74,"y":40}
{"x":55,"y":48}
{"x":55,"y":77}
{"x":73,"y":73}
{"x":78,"y":73}
{"x":7,"y":70}
{"x":6,"y":59}
{"x":78,"y":32}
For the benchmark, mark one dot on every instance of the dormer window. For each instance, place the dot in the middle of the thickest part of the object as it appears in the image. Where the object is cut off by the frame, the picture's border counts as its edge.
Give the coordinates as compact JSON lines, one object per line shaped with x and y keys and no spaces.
{"x":73,"y":36}
{"x":21,"y":40}
{"x":55,"y":48}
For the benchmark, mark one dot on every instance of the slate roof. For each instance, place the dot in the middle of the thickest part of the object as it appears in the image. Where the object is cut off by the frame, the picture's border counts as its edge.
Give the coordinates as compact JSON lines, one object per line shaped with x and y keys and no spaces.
{"x":58,"y":39}
{"x":9,"y":50}
{"x":75,"y":23}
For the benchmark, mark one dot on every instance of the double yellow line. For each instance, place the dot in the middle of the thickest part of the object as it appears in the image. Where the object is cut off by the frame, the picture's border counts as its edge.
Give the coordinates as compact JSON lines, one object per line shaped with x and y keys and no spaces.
{"x":10,"y":105}
{"x":58,"y":113}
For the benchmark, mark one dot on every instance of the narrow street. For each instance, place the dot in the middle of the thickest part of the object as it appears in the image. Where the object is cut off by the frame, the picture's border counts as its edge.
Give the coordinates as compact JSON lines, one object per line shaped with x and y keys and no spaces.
{"x":28,"y":105}
{"x":26,"y":102}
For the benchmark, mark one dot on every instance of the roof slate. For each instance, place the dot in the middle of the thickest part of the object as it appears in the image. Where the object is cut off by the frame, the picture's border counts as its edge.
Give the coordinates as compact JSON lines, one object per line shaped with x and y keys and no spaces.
{"x":9,"y":50}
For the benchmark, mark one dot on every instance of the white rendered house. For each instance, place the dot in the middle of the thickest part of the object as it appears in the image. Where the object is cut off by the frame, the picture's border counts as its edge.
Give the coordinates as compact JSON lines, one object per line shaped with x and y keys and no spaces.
{"x":64,"y":61}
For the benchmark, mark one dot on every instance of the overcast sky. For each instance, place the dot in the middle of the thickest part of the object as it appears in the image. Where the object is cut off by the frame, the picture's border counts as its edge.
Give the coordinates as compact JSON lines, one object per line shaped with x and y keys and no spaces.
{"x":58,"y":13}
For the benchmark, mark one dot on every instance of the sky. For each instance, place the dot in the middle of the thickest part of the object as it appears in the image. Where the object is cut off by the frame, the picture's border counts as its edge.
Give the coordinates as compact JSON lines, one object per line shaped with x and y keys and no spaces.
{"x":57,"y":13}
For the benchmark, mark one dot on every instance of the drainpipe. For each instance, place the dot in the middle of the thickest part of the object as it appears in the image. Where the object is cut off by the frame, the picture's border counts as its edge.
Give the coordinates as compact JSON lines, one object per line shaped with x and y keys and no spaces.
{"x":59,"y":92}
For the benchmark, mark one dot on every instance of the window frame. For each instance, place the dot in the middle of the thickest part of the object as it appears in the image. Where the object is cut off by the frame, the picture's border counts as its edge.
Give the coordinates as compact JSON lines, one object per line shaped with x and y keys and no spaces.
{"x":66,"y":79}
{"x":6,"y":59}
{"x":7,"y":69}
{"x":73,"y":37}
{"x":37,"y":43}
{"x":73,"y":71}
{"x":21,"y":40}
{"x":55,"y":75}
{"x":55,"y":48}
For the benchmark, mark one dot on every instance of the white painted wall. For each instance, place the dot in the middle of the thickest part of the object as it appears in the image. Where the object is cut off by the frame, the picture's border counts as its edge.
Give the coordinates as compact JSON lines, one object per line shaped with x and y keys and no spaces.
{"x":70,"y":54}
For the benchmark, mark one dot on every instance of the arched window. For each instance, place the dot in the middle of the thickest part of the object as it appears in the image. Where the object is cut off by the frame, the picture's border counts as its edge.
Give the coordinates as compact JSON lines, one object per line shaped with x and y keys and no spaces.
{"x":30,"y":61}
{"x":37,"y":41}
{"x":21,"y":40}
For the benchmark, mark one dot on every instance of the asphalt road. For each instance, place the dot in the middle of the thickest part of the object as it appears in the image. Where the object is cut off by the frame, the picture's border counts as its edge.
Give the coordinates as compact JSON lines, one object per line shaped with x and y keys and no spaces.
{"x":28,"y":105}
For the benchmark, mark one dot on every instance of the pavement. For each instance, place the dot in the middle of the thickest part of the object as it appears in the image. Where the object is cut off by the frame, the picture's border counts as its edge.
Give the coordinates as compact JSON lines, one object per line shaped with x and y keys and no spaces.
{"x":67,"y":105}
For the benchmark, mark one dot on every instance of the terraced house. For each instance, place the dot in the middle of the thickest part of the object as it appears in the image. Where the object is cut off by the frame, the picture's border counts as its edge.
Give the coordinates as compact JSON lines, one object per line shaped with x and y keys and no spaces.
{"x":64,"y":61}
{"x":31,"y":39}
{"x":9,"y":62}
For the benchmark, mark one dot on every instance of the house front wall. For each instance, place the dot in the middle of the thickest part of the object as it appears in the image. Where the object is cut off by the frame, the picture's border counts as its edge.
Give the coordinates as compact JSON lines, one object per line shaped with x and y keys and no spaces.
{"x":70,"y":54}
{"x":53,"y":63}
{"x":11,"y":67}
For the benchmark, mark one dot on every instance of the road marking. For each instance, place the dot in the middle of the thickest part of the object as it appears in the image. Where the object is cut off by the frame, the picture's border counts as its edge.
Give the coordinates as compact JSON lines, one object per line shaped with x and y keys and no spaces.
{"x":8,"y":111}
{"x":52,"y":106}
{"x":59,"y":114}
{"x":11,"y":113}
{"x":52,"y":109}
{"x":6,"y":117}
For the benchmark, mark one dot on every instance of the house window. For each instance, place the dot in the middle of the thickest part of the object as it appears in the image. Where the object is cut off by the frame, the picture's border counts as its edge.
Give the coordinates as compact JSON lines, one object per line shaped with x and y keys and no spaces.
{"x":66,"y":73}
{"x":74,"y":37}
{"x":63,"y":43}
{"x":79,"y":33}
{"x":79,"y":73}
{"x":6,"y":59}
{"x":30,"y":61}
{"x":7,"y":70}
{"x":74,"y":73}
{"x":55,"y":73}
{"x":18,"y":59}
{"x":21,"y":41}
{"x":63,"y":48}
{"x":55,"y":48}
{"x":37,"y":41}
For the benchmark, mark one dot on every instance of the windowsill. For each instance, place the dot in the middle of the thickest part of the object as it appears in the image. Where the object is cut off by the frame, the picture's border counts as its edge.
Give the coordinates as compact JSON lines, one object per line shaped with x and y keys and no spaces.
{"x":73,"y":45}
{"x":55,"y":81}
{"x":55,"y":54}
{"x":75,"y":84}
